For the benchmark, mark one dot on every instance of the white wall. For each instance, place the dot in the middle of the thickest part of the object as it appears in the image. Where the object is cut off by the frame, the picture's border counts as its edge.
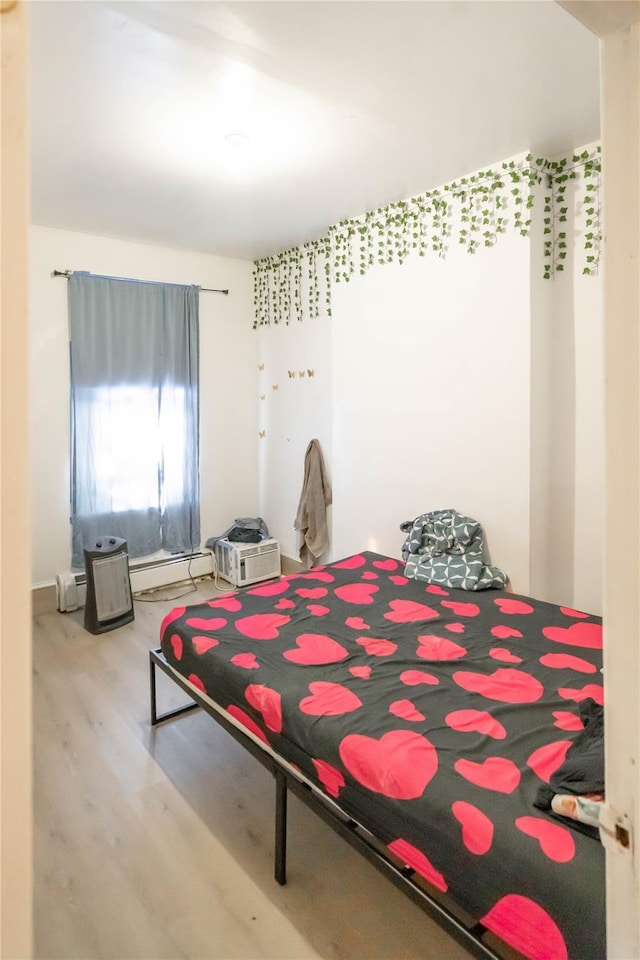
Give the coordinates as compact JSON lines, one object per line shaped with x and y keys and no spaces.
{"x":292,"y":415}
{"x":228,"y":418}
{"x":430,"y":362}
{"x":467,"y":382}
{"x":543,"y":541}
{"x":589,"y":504}
{"x":567,"y":421}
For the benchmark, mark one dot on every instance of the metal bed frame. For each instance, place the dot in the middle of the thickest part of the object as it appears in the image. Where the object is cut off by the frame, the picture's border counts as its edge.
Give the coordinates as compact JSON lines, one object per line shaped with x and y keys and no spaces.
{"x":404,"y":877}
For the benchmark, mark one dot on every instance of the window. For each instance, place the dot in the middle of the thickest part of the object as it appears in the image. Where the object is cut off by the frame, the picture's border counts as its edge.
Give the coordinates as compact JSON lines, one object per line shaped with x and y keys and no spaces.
{"x":134,"y":414}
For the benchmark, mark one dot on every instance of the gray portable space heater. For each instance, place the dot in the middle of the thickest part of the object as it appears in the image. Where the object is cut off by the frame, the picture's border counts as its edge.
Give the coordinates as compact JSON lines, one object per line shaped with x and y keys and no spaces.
{"x":109,"y":603}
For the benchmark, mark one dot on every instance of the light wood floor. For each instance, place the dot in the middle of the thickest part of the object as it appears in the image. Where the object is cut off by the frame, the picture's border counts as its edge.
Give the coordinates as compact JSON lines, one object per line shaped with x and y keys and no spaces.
{"x":158,"y":843}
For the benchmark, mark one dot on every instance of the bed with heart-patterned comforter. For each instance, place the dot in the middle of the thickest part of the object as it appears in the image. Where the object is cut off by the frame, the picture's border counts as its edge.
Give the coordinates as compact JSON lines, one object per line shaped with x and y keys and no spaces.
{"x":431,"y":716}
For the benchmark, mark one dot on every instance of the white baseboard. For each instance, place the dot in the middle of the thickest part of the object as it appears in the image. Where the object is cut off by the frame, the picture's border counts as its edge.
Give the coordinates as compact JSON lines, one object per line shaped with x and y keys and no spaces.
{"x":169,"y":572}
{"x":290,"y":564}
{"x":148,"y":576}
{"x":151,"y":575}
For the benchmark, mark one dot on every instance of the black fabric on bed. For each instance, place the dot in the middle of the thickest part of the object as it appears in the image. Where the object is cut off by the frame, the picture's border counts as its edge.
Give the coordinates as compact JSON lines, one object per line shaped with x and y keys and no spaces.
{"x":432,"y":717}
{"x":583,"y":770}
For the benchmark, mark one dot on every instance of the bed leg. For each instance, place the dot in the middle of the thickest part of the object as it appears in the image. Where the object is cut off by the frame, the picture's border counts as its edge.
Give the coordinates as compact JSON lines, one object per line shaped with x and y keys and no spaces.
{"x":155,"y":717}
{"x":152,"y":691}
{"x":281,"y":828}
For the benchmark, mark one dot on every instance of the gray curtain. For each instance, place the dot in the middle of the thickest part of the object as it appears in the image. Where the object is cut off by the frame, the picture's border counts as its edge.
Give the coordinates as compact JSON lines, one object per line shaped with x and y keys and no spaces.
{"x":134,"y":414}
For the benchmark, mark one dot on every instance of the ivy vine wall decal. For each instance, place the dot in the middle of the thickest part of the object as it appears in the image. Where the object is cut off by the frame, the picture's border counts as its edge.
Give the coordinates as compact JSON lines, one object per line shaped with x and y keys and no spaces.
{"x":474,"y":210}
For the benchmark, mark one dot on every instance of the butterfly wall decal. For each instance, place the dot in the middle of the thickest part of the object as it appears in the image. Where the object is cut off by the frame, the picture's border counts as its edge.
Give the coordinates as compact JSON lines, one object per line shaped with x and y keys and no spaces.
{"x":274,"y":386}
{"x":262,"y":396}
{"x":291,"y":373}
{"x":302,"y":373}
{"x":262,"y":434}
{"x":310,"y":372}
{"x":261,"y":366}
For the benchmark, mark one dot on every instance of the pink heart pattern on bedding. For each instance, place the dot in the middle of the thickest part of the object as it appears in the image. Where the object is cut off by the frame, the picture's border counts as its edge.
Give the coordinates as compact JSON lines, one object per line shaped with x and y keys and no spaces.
{"x":577,"y":635}
{"x":377,"y":646}
{"x":317,"y":610}
{"x":202,"y":644}
{"x":406,"y":709}
{"x":414,"y":677}
{"x":477,"y":828}
{"x":419,"y":862}
{"x":562,"y":661}
{"x":268,"y":703}
{"x":357,"y":592}
{"x":512,"y":605}
{"x":462,"y":609}
{"x":504,"y":655}
{"x":400,"y":764}
{"x":357,"y":623}
{"x":431,"y":647}
{"x":330,"y":778}
{"x":566,"y":720}
{"x":527,"y":927}
{"x":230,"y":603}
{"x":206,"y":623}
{"x":409,"y":611}
{"x":432,"y":717}
{"x":388,"y":564}
{"x":556,"y":842}
{"x":315,"y":649}
{"x":494,"y":773}
{"x":545,"y":760}
{"x":261,"y":626}
{"x":476,"y":721}
{"x":364,"y":672}
{"x":247,"y":661}
{"x":329,"y":700}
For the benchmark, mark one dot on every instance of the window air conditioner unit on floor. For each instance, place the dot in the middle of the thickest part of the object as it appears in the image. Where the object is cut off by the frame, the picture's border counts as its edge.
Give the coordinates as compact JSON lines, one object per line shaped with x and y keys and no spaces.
{"x":245,"y":563}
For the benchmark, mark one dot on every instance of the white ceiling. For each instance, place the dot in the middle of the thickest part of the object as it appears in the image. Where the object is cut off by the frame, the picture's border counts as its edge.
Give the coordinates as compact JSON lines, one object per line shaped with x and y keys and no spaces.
{"x":348,"y":106}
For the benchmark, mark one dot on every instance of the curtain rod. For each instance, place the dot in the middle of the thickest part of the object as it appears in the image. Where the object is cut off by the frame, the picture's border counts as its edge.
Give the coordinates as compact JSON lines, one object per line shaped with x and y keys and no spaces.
{"x":67,"y":273}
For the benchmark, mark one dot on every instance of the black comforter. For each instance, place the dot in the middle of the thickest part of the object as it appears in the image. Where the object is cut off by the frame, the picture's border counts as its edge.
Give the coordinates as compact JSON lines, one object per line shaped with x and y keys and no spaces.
{"x":432,"y":717}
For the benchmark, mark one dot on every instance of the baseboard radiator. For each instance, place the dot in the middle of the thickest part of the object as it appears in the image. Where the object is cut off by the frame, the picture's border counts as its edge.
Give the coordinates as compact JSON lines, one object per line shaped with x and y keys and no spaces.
{"x":71,"y":588}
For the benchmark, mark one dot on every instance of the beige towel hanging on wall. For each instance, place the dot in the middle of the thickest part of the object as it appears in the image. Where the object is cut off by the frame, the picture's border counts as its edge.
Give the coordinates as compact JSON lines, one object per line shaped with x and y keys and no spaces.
{"x":311,"y":519}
